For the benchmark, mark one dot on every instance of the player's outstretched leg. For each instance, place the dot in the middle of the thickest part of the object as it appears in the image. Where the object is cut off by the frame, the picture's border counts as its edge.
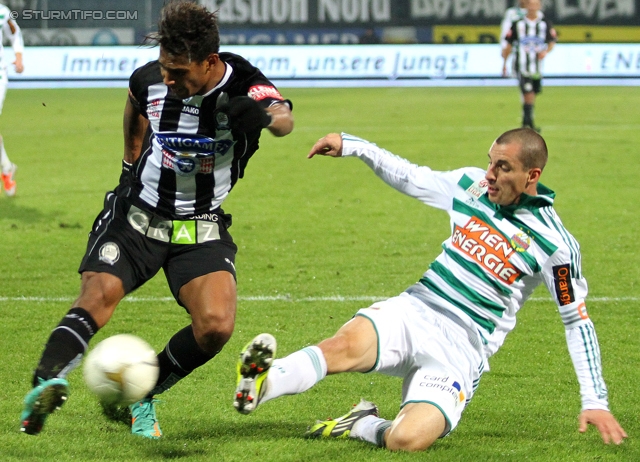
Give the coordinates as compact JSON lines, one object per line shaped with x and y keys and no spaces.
{"x":253,"y":366}
{"x":47,"y":397}
{"x":342,"y":426}
{"x":143,"y":419}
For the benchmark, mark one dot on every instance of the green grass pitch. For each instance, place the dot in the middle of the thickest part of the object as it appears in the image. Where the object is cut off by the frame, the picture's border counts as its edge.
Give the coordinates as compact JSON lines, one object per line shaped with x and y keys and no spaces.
{"x":310,"y":230}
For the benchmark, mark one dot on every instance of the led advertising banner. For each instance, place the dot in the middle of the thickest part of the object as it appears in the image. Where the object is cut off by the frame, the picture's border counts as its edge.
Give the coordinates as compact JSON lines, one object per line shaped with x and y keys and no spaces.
{"x":321,"y":65}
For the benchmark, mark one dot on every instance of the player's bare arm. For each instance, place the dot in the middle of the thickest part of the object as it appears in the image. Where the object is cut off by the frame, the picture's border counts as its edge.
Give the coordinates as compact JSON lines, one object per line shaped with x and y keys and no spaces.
{"x":134,"y":127}
{"x":19,"y":67}
{"x":605,"y":422}
{"x":506,"y":51}
{"x":544,"y":53}
{"x":281,"y":120}
{"x":330,"y":145}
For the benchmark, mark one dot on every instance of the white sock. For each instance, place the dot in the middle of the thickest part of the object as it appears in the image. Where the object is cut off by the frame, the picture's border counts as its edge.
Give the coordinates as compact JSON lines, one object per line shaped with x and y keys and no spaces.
{"x":4,"y":158}
{"x":295,"y":373}
{"x":370,"y":429}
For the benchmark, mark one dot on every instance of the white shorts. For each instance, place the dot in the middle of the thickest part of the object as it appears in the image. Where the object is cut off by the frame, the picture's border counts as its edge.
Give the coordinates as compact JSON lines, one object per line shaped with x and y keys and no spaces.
{"x":430,"y":351}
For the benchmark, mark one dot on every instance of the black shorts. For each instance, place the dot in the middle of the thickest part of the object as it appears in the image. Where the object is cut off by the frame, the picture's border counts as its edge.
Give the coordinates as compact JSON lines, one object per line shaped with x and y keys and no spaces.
{"x":133,"y":244}
{"x":530,"y":84}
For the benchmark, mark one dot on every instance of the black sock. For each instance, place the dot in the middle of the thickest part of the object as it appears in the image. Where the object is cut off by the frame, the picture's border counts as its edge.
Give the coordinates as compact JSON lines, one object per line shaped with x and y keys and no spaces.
{"x":527,"y":115}
{"x":178,"y":359}
{"x":66,"y":345}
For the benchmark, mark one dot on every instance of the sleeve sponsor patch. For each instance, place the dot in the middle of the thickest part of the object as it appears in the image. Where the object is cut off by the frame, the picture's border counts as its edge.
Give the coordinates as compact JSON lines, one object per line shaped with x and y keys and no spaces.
{"x":564,"y":288}
{"x":260,"y":92}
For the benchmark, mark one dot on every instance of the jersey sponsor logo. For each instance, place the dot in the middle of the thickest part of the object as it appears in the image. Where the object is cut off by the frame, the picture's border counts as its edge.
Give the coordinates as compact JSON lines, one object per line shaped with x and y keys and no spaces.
{"x":191,"y":110}
{"x":582,"y":311}
{"x":478,"y":188}
{"x":207,"y":216}
{"x":564,"y":288}
{"x":520,"y":242}
{"x":153,"y":108}
{"x":109,"y":253}
{"x":486,"y":245}
{"x":260,"y":92}
{"x":445,"y":384}
{"x":199,"y":145}
{"x":186,"y":166}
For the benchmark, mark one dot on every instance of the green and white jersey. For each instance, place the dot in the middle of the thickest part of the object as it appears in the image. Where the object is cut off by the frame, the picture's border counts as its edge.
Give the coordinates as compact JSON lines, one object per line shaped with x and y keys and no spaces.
{"x":9,"y":28}
{"x":494,"y":259}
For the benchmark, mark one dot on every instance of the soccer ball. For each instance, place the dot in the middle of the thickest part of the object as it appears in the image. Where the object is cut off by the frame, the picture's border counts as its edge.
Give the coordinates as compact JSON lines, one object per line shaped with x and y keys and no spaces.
{"x":121,"y":369}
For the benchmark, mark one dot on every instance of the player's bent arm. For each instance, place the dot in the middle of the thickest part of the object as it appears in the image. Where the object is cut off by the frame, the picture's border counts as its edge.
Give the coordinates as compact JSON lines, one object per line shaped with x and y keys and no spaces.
{"x":281,"y":119}
{"x":134,"y":127}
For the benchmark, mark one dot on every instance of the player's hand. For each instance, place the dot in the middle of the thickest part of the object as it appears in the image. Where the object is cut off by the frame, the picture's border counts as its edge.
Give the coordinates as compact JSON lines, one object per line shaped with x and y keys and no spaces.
{"x":19,"y":67}
{"x":542,"y":54}
{"x":504,"y":71}
{"x":330,"y":145}
{"x":245,"y":114}
{"x":607,"y":425}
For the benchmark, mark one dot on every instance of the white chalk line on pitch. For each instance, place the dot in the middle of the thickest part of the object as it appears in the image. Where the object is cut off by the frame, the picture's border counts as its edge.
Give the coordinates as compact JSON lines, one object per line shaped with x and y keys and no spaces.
{"x":289,"y":298}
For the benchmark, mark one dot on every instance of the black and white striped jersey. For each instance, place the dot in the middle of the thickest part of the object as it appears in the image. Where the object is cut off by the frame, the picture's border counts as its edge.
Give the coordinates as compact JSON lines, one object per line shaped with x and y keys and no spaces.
{"x":530,"y":37}
{"x":190,"y":158}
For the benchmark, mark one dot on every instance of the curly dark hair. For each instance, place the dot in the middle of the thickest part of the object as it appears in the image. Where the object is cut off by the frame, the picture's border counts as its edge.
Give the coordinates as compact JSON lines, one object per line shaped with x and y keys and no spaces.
{"x":187,"y":29}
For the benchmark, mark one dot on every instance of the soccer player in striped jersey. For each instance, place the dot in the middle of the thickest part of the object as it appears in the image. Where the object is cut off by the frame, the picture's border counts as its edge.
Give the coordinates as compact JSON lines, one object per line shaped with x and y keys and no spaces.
{"x":9,"y":27}
{"x":192,"y":121}
{"x":438,"y":335}
{"x":533,"y":38}
{"x":511,"y":15}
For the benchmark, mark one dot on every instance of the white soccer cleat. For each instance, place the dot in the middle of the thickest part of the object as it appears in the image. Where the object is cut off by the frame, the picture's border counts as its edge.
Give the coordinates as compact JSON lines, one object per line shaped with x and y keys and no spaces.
{"x":253,"y":366}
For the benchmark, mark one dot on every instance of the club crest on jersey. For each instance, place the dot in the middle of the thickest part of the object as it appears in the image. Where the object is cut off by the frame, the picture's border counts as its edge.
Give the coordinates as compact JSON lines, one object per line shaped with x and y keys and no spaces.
{"x":109,"y":253}
{"x":520,"y":242}
{"x":478,"y":188}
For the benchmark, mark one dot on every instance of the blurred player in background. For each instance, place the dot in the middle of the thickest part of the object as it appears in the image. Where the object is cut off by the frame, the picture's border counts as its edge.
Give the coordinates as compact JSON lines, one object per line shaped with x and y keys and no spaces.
{"x":511,"y":15}
{"x":533,"y":38}
{"x":438,"y":335}
{"x":192,"y":121}
{"x":12,"y":30}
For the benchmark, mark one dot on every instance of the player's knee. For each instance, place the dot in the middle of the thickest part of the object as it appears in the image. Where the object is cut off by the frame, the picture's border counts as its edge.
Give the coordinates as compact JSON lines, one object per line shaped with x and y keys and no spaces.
{"x":214,"y":330}
{"x":100,"y":293}
{"x":404,"y":438}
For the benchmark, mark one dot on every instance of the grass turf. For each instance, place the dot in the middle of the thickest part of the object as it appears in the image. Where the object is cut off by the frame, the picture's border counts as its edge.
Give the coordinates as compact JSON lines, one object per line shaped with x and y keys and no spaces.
{"x":311,"y":229}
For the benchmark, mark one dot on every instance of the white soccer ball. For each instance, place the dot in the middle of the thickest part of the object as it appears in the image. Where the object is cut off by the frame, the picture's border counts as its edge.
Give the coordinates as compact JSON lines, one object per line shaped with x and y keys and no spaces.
{"x":121,"y":369}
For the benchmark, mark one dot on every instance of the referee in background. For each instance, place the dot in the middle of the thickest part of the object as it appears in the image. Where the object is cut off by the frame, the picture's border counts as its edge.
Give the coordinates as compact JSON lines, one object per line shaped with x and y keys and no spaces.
{"x":532,"y":37}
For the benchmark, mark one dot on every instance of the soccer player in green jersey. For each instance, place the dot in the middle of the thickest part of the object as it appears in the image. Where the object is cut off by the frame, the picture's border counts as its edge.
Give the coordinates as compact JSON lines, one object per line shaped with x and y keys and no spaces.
{"x":506,"y":239}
